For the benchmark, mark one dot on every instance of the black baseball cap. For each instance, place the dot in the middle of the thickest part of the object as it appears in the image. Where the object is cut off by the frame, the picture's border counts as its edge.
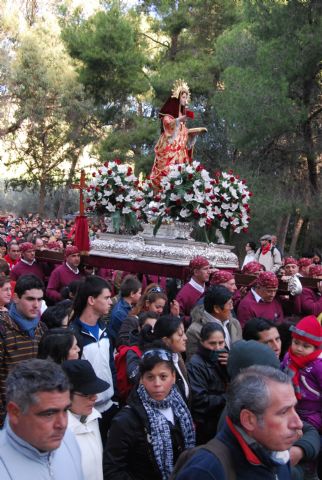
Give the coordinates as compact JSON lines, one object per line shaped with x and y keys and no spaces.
{"x":83,"y":377}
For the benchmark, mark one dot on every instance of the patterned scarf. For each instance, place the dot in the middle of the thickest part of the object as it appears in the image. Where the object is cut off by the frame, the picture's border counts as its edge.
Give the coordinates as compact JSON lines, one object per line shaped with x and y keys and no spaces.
{"x":160,"y":430}
{"x":296,"y":364}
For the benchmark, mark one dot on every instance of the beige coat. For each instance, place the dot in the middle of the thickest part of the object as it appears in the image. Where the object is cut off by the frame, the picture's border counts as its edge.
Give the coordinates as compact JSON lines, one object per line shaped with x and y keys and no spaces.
{"x":198,"y":321}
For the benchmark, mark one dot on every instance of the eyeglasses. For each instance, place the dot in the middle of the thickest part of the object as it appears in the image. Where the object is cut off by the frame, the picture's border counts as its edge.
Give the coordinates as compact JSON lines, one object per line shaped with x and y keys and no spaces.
{"x":156,"y":290}
{"x":159,"y":353}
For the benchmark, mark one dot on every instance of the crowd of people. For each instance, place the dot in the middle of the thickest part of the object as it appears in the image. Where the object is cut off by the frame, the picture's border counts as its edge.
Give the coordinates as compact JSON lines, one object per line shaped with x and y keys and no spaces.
{"x":112,"y":375}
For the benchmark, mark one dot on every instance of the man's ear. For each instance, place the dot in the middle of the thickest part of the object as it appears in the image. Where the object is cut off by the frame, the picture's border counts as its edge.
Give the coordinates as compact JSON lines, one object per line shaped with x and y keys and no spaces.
{"x":216,"y":309}
{"x":248,"y":420}
{"x":14,"y":412}
{"x":90,"y":301}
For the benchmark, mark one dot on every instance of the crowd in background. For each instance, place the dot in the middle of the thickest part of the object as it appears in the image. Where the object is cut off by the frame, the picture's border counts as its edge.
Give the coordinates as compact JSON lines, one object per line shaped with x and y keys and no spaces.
{"x":150,"y":360}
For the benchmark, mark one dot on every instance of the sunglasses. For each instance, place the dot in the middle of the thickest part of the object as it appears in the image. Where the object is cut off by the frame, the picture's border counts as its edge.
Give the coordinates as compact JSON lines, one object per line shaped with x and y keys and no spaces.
{"x":158,"y":353}
{"x":156,"y":290}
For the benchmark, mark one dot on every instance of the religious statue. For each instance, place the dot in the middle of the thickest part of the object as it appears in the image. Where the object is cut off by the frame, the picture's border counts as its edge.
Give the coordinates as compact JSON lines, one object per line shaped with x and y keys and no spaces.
{"x":176,"y":142}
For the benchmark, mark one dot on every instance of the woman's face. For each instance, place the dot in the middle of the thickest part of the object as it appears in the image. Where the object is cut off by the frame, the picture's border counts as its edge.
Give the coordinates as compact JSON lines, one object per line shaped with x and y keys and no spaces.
{"x":183,"y":99}
{"x":178,"y":340}
{"x":158,"y":381}
{"x":83,"y":404}
{"x":216,"y":341}
{"x":5,"y":294}
{"x":157,"y":306}
{"x":73,"y":353}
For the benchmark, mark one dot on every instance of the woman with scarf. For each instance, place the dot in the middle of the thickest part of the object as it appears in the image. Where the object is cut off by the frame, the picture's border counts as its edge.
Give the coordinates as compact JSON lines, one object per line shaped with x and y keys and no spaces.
{"x":173,"y":145}
{"x":208,"y":381}
{"x":149,"y":433}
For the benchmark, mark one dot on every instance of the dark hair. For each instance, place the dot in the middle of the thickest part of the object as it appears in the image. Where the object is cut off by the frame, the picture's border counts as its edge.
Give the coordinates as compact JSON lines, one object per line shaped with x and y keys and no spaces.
{"x":256,"y":325}
{"x":91,"y":287}
{"x":166,"y":326}
{"x":3,"y":280}
{"x":2,"y":243}
{"x":53,"y":316}
{"x":129,"y":285}
{"x":208,"y":329}
{"x":55,"y":344}
{"x":70,"y":290}
{"x":216,"y":295}
{"x":33,"y":376}
{"x":151,"y":294}
{"x":28,"y":282}
{"x":143,"y":316}
{"x":252,"y":245}
{"x":4,"y":267}
{"x":152,"y":357}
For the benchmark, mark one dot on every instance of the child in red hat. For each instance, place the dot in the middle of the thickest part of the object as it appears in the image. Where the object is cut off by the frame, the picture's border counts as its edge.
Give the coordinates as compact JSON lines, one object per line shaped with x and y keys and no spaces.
{"x":303,"y":362}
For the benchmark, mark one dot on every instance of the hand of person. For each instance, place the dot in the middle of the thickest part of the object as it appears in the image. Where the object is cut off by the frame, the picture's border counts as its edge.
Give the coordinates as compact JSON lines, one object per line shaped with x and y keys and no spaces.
{"x":319,"y":286}
{"x":175,"y":308}
{"x":296,"y":455}
{"x":223,"y":358}
{"x":243,"y":291}
{"x":182,"y":118}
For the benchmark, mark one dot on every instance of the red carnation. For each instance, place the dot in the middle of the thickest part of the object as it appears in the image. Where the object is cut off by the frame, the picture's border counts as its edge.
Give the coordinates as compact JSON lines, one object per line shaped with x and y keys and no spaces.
{"x":167,"y":210}
{"x":129,"y":171}
{"x":178,"y":201}
{"x":117,"y":161}
{"x":100,"y":171}
{"x":190,"y":176}
{"x":88,"y":200}
{"x":251,"y":194}
{"x":106,"y":164}
{"x":157,"y":198}
{"x":179,"y":168}
{"x":217,"y":173}
{"x":245,"y":230}
{"x":94,"y":174}
{"x":154,"y":209}
{"x":230,"y":171}
{"x":110,"y":171}
{"x":207,"y":190}
{"x":232,"y":179}
{"x":97,"y":189}
{"x":243,"y":181}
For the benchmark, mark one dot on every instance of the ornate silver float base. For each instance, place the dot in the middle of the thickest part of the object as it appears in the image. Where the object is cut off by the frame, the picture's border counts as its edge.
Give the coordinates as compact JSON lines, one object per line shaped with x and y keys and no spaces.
{"x":162,"y":250}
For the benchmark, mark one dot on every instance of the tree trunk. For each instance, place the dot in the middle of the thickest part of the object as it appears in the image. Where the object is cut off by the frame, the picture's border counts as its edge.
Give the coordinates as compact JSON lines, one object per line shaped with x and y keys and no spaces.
{"x":42,"y":196}
{"x":282,"y":230}
{"x":310,"y":154}
{"x":64,"y":197}
{"x":296,"y":233}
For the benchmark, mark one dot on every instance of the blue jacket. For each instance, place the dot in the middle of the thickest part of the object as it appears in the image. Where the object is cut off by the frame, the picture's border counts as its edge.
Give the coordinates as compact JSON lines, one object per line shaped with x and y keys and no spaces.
{"x":19,"y":460}
{"x":207,"y":466}
{"x":119,"y":313}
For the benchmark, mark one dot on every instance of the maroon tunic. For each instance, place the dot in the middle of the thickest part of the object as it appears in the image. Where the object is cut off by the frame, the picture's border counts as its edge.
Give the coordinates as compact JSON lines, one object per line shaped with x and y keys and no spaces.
{"x":59,"y":278}
{"x":22,"y":268}
{"x":310,"y":302}
{"x":187,"y":298}
{"x":248,"y":308}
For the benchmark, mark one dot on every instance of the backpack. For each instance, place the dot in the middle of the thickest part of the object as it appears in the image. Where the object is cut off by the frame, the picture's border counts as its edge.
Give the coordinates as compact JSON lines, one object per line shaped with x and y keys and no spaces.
{"x":217,"y":448}
{"x":124,"y":387}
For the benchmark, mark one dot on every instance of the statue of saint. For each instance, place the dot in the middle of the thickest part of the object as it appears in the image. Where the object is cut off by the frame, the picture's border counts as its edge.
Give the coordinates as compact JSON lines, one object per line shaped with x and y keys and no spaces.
{"x":176,"y":143}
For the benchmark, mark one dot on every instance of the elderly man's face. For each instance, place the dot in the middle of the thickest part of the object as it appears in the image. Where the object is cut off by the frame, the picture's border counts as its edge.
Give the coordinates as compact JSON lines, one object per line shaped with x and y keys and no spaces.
{"x":266,"y":293}
{"x":280,"y":425}
{"x":44,"y":424}
{"x":291,"y":269}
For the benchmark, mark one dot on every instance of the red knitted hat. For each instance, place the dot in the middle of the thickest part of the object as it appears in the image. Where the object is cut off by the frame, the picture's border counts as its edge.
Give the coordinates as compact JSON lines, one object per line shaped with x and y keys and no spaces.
{"x":309,"y":330}
{"x":290,"y":261}
{"x":267,"y":280}
{"x":198,"y":262}
{"x":26,"y":246}
{"x":252,"y":267}
{"x":315,"y":270}
{"x":71,"y":250}
{"x":304,"y":262}
{"x":221,"y":276}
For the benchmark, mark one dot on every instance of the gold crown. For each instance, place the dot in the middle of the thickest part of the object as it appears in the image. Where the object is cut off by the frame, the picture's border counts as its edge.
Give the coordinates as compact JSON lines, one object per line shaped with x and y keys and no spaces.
{"x":180,"y":86}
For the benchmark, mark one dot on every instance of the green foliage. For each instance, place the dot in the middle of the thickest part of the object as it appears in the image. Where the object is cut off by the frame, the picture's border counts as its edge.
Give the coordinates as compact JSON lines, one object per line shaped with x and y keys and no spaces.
{"x":111,"y":57}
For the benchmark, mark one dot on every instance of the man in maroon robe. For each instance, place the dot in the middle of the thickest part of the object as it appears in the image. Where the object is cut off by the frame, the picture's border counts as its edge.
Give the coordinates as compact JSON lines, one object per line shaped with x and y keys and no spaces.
{"x":27,"y":265}
{"x":310,"y":301}
{"x":192,"y":291}
{"x":64,"y":274}
{"x":261,"y":301}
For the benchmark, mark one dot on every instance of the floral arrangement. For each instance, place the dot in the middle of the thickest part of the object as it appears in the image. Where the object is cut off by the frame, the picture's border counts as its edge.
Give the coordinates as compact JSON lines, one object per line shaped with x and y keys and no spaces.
{"x":116,"y":193}
{"x":188,"y":194}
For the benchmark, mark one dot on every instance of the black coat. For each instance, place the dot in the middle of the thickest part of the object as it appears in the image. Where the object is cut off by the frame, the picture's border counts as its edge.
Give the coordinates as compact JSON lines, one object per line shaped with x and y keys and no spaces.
{"x":208,"y":382}
{"x":128,"y":453}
